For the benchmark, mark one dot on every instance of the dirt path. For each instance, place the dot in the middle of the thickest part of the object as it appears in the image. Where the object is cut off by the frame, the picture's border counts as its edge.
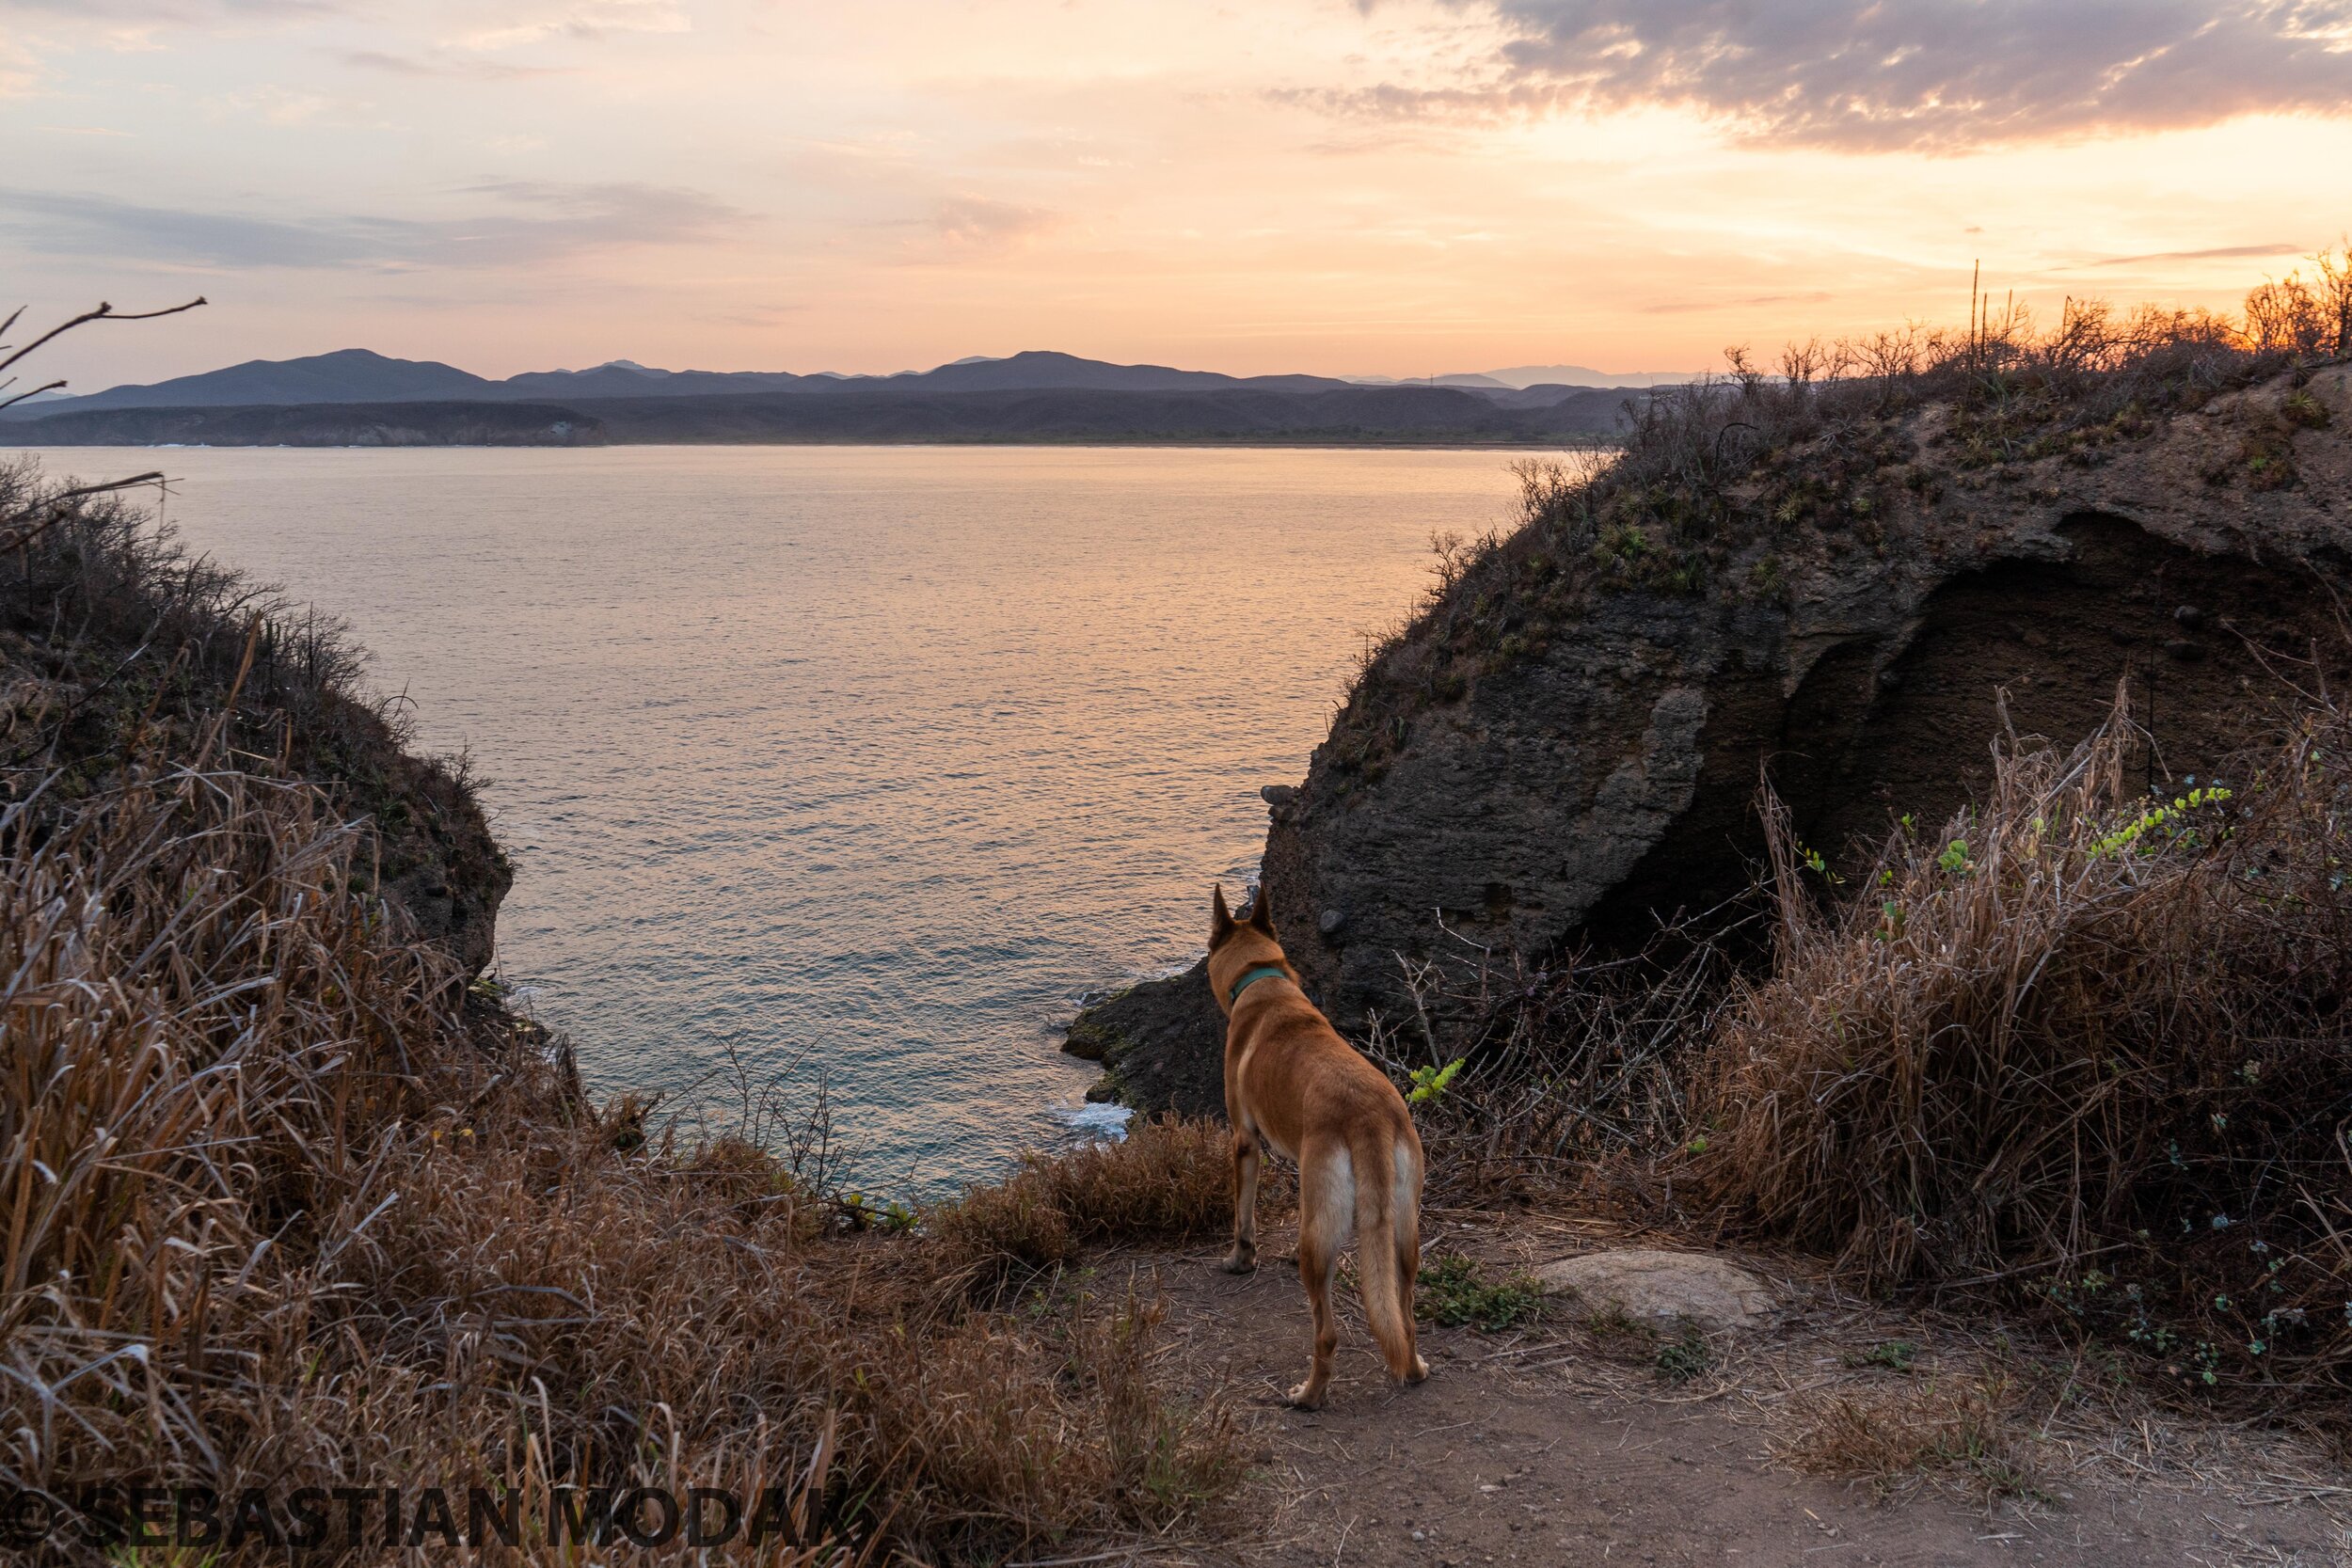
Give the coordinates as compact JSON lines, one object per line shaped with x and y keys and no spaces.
{"x":1550,"y":1445}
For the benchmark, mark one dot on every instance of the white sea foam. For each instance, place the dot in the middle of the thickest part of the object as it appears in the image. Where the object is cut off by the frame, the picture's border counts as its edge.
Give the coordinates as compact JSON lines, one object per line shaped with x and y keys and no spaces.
{"x":1101,"y":1121}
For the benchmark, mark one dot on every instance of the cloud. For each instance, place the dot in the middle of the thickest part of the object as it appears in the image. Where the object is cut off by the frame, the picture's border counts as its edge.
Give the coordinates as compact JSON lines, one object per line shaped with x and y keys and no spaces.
{"x":1875,"y":75}
{"x":176,"y":13}
{"x":2227,"y":252}
{"x":529,"y":223}
{"x":440,"y":63}
{"x":519,"y":21}
{"x":977,"y":222}
{"x":20,"y":72}
{"x":127,"y":27}
{"x":272,"y":105}
{"x":1694,"y":307}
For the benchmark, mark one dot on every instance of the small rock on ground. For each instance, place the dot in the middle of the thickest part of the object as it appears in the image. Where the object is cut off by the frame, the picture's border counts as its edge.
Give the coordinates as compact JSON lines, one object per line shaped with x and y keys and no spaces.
{"x":1650,"y":1285}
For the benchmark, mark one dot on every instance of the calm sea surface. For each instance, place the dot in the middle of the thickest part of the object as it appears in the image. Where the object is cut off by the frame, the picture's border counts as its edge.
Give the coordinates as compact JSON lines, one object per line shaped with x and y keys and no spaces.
{"x":860,"y":761}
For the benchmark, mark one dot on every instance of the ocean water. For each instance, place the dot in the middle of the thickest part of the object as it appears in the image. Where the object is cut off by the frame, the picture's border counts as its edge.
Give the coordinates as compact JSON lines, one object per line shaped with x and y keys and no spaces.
{"x":854,"y":763}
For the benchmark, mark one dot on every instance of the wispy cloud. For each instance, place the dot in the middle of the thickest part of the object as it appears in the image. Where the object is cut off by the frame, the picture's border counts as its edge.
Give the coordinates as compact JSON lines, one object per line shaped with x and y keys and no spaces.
{"x":183,"y":13}
{"x":977,"y":222}
{"x":503,"y":25}
{"x":20,"y":72}
{"x":442,"y":63}
{"x":1934,"y":75}
{"x":2223,"y":253}
{"x":271,"y":105}
{"x":528,"y":223}
{"x":1750,"y":302}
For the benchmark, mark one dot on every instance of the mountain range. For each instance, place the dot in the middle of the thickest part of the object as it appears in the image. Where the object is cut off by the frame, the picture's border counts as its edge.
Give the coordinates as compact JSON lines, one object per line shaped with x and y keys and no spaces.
{"x":357,"y":375}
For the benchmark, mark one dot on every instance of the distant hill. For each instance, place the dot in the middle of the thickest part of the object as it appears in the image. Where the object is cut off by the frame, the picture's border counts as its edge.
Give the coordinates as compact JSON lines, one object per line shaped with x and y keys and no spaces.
{"x":852,"y":413}
{"x":1041,"y":371}
{"x":1522,"y":377}
{"x":361,"y":375}
{"x":622,"y":378}
{"x":346,"y":375}
{"x":1344,"y":415}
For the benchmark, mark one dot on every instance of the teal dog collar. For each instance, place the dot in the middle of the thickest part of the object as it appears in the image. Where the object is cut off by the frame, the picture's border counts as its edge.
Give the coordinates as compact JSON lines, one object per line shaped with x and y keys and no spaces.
{"x":1263,"y":972}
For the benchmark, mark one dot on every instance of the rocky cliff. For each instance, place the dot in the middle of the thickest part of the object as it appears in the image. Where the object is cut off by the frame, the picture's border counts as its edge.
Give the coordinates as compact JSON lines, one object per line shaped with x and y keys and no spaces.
{"x":1567,"y":744}
{"x":119,"y":652}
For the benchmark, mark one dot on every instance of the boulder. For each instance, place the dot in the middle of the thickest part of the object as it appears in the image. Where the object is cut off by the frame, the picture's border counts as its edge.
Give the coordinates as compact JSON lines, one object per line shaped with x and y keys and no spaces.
{"x":1660,"y":1288}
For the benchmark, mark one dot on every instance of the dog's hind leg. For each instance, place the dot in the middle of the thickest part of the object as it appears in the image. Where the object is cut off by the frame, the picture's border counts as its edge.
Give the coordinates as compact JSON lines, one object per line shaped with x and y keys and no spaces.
{"x":1247,"y":1160}
{"x":1326,"y":1215}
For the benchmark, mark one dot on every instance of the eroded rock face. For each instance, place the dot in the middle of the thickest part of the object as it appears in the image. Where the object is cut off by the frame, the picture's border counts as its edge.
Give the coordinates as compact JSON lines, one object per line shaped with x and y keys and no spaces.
{"x":1589,"y":764}
{"x":1610,"y":780}
{"x":441,"y":864}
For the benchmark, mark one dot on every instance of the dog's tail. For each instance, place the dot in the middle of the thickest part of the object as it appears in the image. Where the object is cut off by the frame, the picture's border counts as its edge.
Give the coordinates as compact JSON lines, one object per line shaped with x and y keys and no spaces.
{"x":1388,"y":1246}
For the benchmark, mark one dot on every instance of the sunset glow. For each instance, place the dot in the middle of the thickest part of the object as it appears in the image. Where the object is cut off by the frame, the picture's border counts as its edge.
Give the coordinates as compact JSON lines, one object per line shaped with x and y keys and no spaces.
{"x":1396,"y":189}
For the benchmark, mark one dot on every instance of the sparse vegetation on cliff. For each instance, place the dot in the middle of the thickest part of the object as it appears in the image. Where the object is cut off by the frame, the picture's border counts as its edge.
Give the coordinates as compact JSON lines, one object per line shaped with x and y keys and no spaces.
{"x":1823,"y":443}
{"x":121,"y":648}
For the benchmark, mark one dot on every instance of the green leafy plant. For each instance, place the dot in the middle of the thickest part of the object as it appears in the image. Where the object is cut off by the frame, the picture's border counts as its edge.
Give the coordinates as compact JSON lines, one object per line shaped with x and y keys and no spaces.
{"x":1453,"y":1292}
{"x":2158,"y":817}
{"x":1430,"y":1083}
{"x":1684,"y":1356}
{"x":1815,"y":861}
{"x":887,"y":1215}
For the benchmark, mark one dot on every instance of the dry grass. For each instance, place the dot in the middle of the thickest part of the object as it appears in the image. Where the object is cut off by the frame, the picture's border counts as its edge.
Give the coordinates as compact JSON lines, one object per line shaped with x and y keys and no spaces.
{"x":2083,"y":1045}
{"x":1565,"y":1064}
{"x":286,"y":1205}
{"x":1960,"y":1429}
{"x":1170,"y":1180}
{"x":119,"y":646}
{"x":282,"y":1212}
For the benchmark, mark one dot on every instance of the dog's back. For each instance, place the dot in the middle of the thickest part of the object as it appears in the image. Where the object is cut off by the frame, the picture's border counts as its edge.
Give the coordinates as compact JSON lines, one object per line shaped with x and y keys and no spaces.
{"x":1294,"y":1086}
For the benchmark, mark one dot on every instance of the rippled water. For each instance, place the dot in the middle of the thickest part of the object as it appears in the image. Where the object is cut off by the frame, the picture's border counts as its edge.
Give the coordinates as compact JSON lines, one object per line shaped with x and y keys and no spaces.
{"x":866,"y":760}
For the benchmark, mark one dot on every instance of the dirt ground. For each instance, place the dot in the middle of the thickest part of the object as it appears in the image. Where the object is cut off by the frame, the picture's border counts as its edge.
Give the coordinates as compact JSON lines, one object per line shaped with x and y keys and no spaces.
{"x":1561,"y":1442}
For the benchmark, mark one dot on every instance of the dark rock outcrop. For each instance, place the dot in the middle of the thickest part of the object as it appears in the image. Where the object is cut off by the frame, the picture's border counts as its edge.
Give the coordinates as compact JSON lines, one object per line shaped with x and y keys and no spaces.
{"x":440,"y":866}
{"x":1160,"y":1043}
{"x":1569,"y":745}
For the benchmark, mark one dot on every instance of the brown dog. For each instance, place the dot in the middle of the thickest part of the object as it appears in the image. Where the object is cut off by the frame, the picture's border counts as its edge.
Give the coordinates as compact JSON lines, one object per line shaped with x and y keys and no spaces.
{"x":1294,"y":1086}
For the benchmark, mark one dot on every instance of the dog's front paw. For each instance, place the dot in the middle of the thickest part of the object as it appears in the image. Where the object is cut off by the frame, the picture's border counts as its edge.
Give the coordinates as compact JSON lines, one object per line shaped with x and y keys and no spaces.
{"x":1238,"y":1262}
{"x":1306,"y":1397}
{"x":1419,"y":1372}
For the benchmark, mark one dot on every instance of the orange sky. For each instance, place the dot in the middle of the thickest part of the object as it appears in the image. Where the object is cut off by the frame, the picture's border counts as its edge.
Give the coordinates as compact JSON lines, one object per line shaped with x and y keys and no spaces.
{"x":1396,"y":189}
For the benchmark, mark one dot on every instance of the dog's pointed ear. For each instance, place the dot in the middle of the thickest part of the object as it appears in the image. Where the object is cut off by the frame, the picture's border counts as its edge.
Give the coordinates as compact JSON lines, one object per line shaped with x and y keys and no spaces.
{"x":1220,"y":918}
{"x":1262,"y":911}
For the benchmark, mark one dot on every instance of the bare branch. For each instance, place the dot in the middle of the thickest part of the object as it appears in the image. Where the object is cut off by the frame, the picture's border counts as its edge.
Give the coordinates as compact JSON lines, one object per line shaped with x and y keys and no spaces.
{"x":103,"y":312}
{"x":12,"y":403}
